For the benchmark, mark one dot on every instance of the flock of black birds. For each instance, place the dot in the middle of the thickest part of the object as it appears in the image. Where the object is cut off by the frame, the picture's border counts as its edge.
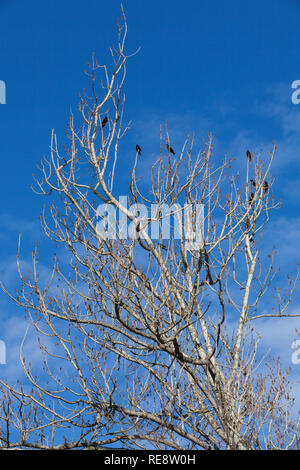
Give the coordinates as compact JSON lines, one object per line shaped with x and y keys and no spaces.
{"x":138,"y":148}
{"x":171,"y":151}
{"x":265,"y":185}
{"x":169,"y":148}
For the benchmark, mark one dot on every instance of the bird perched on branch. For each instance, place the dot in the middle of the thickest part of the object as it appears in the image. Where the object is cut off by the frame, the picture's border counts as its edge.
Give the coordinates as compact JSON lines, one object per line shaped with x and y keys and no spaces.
{"x":169,"y":148}
{"x":251,"y":198}
{"x":266,"y":186}
{"x":249,"y":156}
{"x":253,"y":183}
{"x":163,"y":246}
{"x":104,"y":122}
{"x":138,"y":149}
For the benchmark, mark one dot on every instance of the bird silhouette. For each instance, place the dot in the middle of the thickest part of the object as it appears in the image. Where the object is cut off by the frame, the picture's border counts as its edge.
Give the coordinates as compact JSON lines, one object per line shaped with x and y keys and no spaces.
{"x":163,"y":246}
{"x":251,"y":197}
{"x":169,"y":148}
{"x":266,"y":186}
{"x":104,"y":122}
{"x":138,"y":149}
{"x":253,"y":183}
{"x":249,"y":156}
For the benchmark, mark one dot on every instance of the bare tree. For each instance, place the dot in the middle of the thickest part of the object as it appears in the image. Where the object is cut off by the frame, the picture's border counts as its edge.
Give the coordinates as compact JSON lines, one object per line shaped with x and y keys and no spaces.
{"x":138,"y":348}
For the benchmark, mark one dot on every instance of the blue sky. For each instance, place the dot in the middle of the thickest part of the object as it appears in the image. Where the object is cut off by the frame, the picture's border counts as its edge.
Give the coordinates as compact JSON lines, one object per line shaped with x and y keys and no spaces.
{"x":208,"y":66}
{"x":220,"y":67}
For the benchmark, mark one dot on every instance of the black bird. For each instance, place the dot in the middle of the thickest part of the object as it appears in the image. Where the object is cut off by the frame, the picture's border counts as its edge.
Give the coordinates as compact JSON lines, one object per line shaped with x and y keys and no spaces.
{"x":138,"y":149}
{"x":249,"y":156}
{"x":253,"y":183}
{"x":169,"y":148}
{"x":163,"y":246}
{"x":251,"y":197}
{"x":104,"y":122}
{"x":266,"y":186}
